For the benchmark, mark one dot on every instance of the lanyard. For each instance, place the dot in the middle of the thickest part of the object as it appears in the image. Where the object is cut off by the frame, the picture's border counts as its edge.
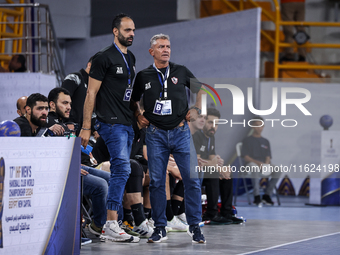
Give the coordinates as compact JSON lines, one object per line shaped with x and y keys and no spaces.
{"x":126,"y":63}
{"x":163,"y":80}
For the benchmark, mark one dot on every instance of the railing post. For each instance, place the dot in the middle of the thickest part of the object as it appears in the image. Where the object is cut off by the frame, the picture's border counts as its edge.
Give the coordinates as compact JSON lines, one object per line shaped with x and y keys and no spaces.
{"x":48,"y":43}
{"x":39,"y":39}
{"x":28,"y":58}
{"x":277,"y":39}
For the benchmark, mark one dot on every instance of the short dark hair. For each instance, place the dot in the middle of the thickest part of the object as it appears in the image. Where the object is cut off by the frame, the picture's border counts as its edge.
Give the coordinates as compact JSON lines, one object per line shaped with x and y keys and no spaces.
{"x":90,"y":60}
{"x":213,"y":112}
{"x":54,"y":94}
{"x":34,"y":98}
{"x":116,"y":22}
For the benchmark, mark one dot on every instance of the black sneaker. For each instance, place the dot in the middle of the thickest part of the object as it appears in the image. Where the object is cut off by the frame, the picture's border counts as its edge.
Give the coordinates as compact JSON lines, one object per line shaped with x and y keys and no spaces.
{"x":267,"y":200}
{"x":220,"y":220}
{"x":97,"y":231}
{"x":234,"y":219}
{"x":196,"y":233}
{"x":158,"y":235}
{"x":257,"y":200}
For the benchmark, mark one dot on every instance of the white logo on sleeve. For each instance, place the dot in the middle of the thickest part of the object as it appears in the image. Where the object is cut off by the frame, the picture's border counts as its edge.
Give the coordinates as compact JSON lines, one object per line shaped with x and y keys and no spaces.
{"x":73,"y":77}
{"x":119,"y":70}
{"x":148,"y":85}
{"x":202,"y":148}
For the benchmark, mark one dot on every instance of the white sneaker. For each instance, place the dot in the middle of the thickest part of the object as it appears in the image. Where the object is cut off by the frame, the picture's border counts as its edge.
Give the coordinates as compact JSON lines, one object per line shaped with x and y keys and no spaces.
{"x":175,"y":225}
{"x":151,"y":223}
{"x":112,"y":231}
{"x":183,"y":218}
{"x":143,"y":229}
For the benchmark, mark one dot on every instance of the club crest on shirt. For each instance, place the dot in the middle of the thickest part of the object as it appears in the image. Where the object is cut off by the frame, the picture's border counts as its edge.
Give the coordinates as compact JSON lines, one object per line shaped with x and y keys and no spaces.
{"x":119,"y":70}
{"x":147,"y":85}
{"x":174,"y":80}
{"x":202,"y":148}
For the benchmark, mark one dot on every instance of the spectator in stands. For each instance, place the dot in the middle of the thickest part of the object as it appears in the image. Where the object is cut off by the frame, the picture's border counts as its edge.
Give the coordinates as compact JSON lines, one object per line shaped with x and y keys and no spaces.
{"x":215,"y":183}
{"x":17,"y":64}
{"x":21,"y":103}
{"x":76,"y":83}
{"x":256,"y":152}
{"x":292,"y":10}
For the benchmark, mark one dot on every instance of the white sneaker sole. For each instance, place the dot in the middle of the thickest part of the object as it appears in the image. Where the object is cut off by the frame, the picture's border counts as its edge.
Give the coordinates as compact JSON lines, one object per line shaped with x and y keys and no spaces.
{"x":132,"y":239}
{"x":171,"y":229}
{"x":160,"y":240}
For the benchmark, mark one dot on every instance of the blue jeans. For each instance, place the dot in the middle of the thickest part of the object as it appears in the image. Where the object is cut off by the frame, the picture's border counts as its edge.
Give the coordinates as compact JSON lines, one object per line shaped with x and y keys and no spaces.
{"x":118,"y":139}
{"x":96,"y":184}
{"x":160,"y":144}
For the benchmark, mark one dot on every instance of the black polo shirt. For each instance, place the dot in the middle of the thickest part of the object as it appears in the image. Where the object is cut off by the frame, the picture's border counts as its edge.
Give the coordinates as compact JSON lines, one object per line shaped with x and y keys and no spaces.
{"x":257,"y":148}
{"x":108,"y":66}
{"x":25,"y":127}
{"x":147,"y":83}
{"x":205,"y":146}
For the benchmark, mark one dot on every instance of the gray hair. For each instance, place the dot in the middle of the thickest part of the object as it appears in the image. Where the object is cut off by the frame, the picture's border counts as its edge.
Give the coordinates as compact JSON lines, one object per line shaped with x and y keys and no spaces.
{"x":158,"y":36}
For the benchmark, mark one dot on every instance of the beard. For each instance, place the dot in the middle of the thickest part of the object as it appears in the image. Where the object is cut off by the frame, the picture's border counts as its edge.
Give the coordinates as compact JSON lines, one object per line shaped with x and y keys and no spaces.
{"x":124,"y":40}
{"x":60,"y":113}
{"x":37,"y":121}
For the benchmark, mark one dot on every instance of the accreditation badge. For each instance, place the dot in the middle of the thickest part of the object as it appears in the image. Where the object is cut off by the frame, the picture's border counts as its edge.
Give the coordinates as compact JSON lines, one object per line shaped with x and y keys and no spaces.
{"x":127,"y":95}
{"x":166,"y":110}
{"x":158,"y":107}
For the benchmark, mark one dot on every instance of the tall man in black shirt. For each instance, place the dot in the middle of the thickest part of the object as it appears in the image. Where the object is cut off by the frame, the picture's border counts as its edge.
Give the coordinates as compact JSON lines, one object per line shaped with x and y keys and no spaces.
{"x":110,"y":87}
{"x":166,"y":111}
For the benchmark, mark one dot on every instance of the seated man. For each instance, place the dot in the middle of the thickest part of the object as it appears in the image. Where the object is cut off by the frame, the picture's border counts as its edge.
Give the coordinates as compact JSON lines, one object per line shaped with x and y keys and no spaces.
{"x":256,"y":152}
{"x":21,"y":104}
{"x":36,"y":115}
{"x":95,"y":182}
{"x":220,"y":183}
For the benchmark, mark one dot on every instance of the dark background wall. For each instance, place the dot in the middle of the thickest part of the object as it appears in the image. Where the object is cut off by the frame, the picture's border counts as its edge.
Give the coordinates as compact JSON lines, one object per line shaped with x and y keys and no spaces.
{"x":144,"y":13}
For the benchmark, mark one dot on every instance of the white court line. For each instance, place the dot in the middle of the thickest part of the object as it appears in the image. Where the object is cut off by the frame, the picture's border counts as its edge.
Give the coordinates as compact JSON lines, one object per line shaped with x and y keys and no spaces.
{"x":300,"y":241}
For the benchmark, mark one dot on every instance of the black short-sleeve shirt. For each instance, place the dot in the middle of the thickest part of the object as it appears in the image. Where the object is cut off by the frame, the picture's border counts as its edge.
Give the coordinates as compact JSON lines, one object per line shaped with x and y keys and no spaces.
{"x":257,"y":148}
{"x":24,"y":125}
{"x":147,"y":83}
{"x":108,"y":66}
{"x":76,"y":84}
{"x":205,"y":146}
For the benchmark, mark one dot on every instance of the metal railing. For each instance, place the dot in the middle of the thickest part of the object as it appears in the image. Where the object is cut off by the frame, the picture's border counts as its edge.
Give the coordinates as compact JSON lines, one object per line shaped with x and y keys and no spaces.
{"x":39,"y":40}
{"x":275,"y":41}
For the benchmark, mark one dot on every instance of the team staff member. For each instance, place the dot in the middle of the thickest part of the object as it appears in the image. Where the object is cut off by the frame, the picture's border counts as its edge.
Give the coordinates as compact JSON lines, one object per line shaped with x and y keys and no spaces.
{"x":110,"y":86}
{"x":76,"y":84}
{"x":166,"y":108}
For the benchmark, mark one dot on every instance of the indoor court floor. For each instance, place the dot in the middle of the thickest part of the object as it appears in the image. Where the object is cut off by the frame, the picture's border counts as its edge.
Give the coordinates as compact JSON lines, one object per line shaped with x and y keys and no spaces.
{"x":292,"y":228}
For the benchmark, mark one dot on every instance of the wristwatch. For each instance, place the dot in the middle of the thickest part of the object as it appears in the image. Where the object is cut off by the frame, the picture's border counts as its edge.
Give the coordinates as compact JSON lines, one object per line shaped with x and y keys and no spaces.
{"x":197,"y":109}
